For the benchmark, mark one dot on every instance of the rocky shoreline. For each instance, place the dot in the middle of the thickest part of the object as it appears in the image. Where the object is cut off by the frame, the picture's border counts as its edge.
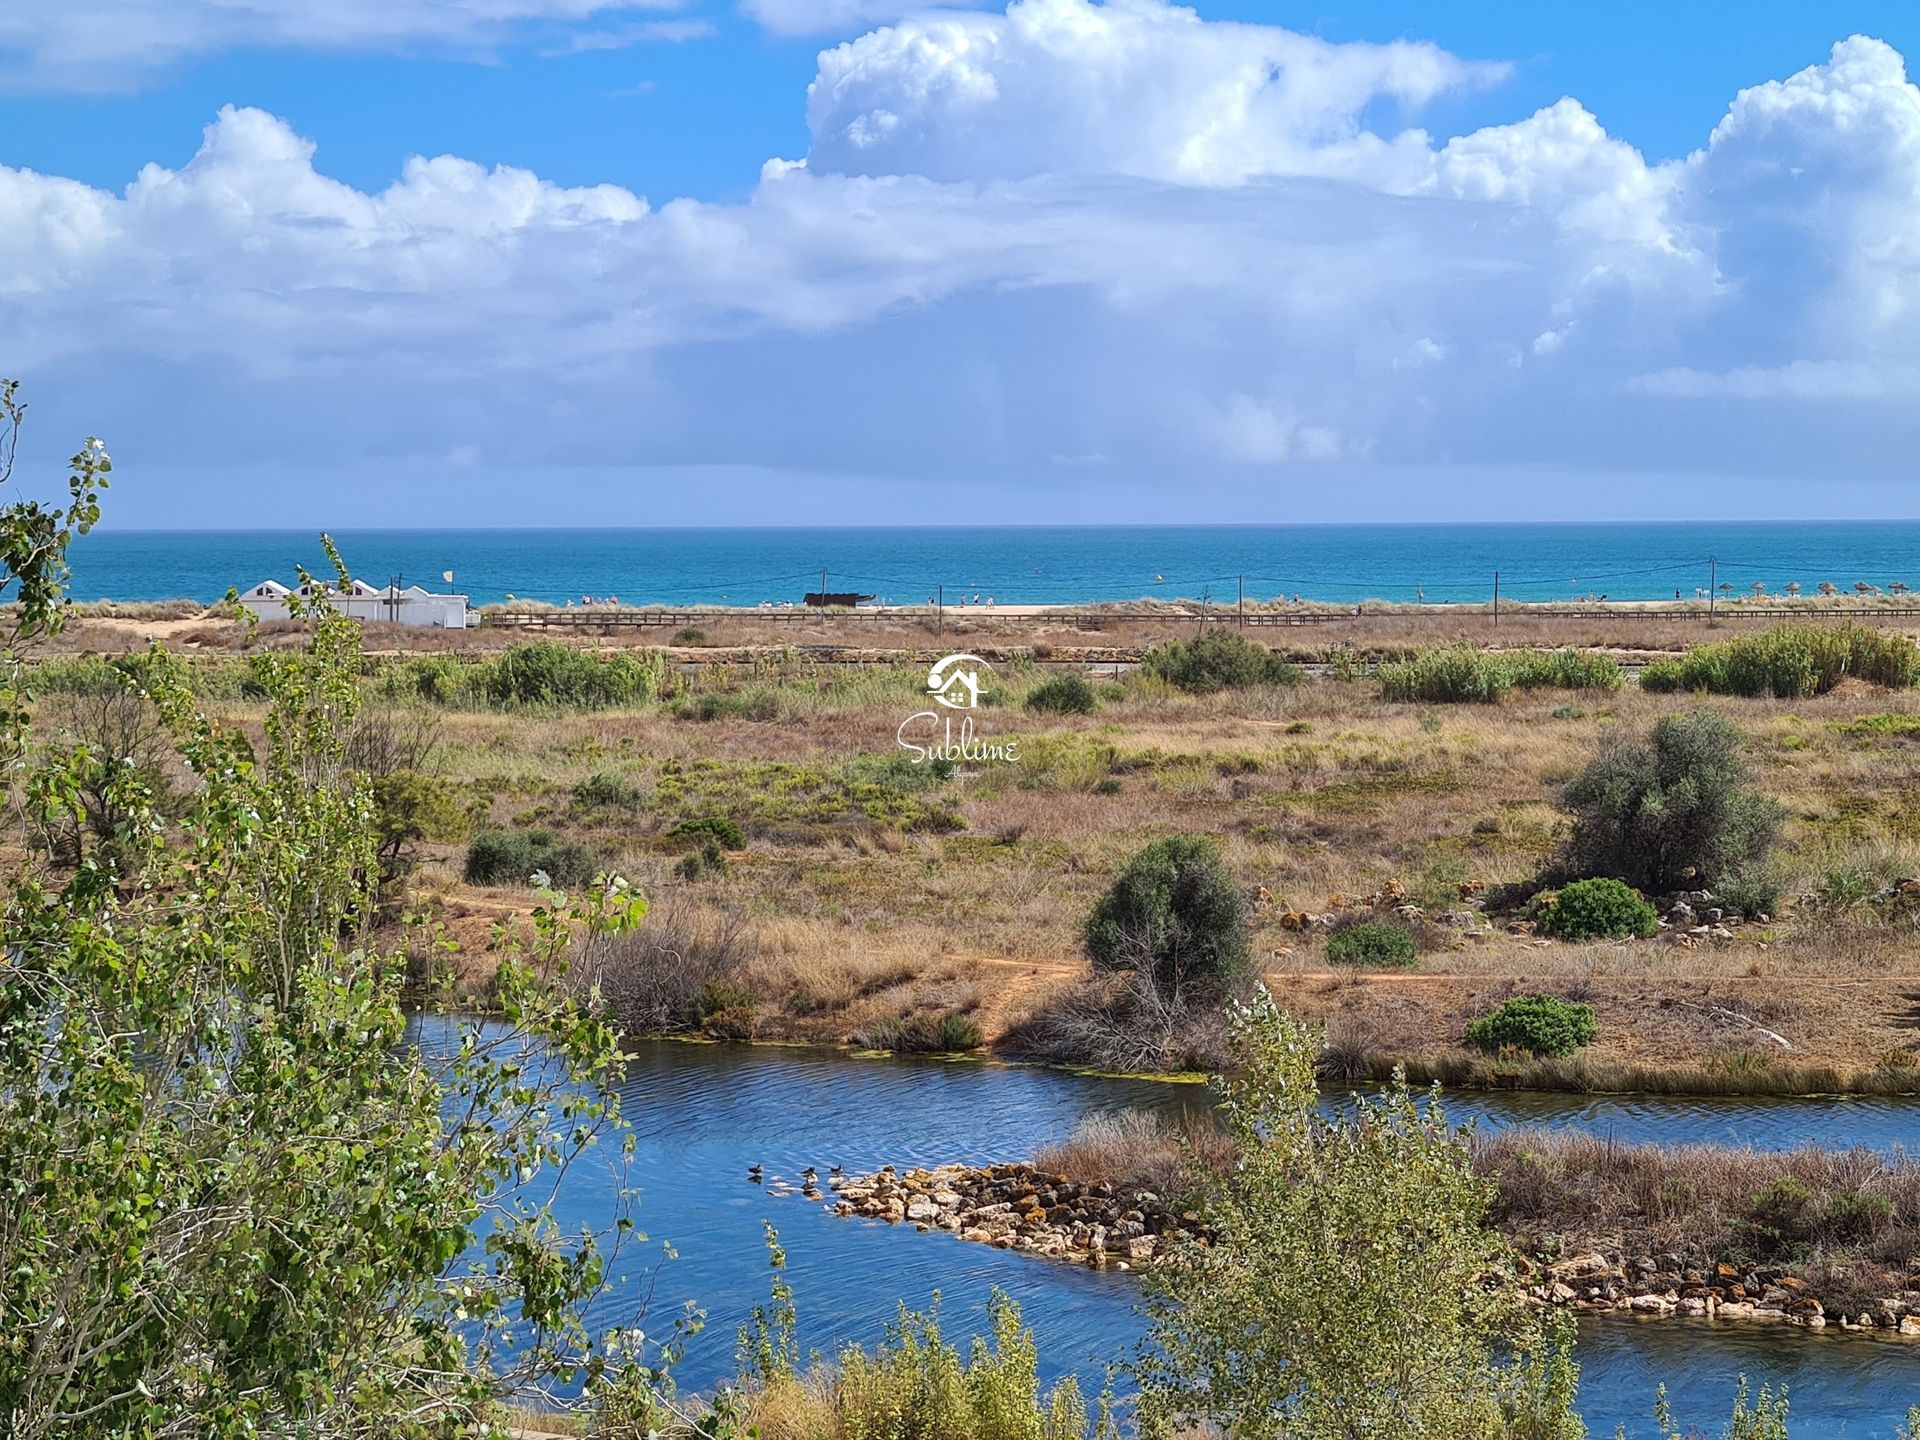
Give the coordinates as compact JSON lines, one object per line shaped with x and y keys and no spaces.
{"x":1599,"y":1282}
{"x":1019,"y":1207}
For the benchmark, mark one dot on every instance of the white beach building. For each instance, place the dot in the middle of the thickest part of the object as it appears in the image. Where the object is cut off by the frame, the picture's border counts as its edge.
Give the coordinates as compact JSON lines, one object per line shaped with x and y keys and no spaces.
{"x":361,"y":601}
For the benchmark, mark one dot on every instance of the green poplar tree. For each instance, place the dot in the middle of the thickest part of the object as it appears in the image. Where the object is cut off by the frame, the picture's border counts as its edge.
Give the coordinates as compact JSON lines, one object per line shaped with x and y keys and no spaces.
{"x":236,"y":1198}
{"x":1351,"y":1286}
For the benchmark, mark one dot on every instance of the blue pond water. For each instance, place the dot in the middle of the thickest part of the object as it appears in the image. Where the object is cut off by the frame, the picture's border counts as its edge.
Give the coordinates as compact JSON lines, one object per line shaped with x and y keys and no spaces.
{"x":701,"y":1114}
{"x":1028,"y":564}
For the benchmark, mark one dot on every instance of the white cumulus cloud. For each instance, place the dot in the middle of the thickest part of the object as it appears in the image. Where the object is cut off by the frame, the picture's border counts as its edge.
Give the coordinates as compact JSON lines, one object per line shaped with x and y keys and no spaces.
{"x":1018,"y":240}
{"x":1131,"y":87}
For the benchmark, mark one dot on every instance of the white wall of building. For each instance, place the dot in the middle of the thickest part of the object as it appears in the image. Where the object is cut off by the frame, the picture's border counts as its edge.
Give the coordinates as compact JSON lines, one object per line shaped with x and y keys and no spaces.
{"x":411,"y":606}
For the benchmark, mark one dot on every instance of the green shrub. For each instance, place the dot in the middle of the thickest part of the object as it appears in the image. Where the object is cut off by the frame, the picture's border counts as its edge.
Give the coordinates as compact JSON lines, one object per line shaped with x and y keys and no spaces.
{"x":899,"y":772}
{"x":77,"y":675}
{"x":1348,"y":1290}
{"x":540,"y":674}
{"x":724,"y":832}
{"x":1790,"y":663}
{"x":1751,"y":891}
{"x":206,"y":677}
{"x":1882,"y":723}
{"x":1845,"y":886}
{"x":1598,"y":909}
{"x":546,"y":673}
{"x":1217,"y":660}
{"x":690,"y":635}
{"x":1452,"y":676}
{"x":718,"y":997}
{"x":917,"y":1385}
{"x":240,"y":1198}
{"x":605,"y":788}
{"x":510,"y":857}
{"x":1538,"y":1024}
{"x":735,"y":705}
{"x":708,"y":861}
{"x":409,"y":808}
{"x":922,"y":1034}
{"x":1175,"y":912}
{"x":1566,"y":670}
{"x":1463,"y":675}
{"x":1067,"y":693}
{"x":437,"y":679}
{"x":1343,"y":662}
{"x":1851,"y":1216}
{"x":1662,"y":677}
{"x":1780,"y":1223}
{"x":1379,"y":943}
{"x":1670,"y":811}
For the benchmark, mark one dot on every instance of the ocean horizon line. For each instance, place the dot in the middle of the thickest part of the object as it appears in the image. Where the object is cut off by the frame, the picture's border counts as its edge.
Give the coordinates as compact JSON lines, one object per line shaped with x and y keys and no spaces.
{"x":1025,"y":564}
{"x":884,"y":527}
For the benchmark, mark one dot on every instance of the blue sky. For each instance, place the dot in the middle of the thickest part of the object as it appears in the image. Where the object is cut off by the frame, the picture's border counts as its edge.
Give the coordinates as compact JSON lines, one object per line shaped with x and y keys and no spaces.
{"x":1260,"y":261}
{"x":698,"y":117}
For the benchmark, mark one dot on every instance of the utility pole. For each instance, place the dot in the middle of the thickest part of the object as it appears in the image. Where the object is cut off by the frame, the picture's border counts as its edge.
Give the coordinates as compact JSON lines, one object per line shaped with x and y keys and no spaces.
{"x":1243,"y":602}
{"x":823,"y":585}
{"x":940,"y":611}
{"x":1496,"y":599}
{"x":1713,"y":589}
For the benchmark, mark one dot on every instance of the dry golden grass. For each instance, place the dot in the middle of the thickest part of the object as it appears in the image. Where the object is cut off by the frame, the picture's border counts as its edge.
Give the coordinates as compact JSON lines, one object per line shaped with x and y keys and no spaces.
{"x":1312,"y":790}
{"x":1848,"y":1218}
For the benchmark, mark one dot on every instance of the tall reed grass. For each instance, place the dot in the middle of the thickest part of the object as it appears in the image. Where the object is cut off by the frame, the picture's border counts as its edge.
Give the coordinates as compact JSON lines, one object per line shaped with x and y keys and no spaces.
{"x":1789,"y":663}
{"x":1462,"y":674}
{"x":535,"y":676}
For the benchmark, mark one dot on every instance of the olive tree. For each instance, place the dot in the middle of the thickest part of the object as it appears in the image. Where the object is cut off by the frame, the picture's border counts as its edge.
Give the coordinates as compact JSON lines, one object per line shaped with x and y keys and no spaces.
{"x":241,"y":1198}
{"x":1671,"y":807}
{"x":1351,"y":1286}
{"x":1175,"y":914}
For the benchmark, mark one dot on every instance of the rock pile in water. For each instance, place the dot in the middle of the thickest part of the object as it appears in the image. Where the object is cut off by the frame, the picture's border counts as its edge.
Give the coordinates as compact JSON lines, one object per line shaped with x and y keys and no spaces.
{"x":1668,"y":1285}
{"x":1016,"y":1207}
{"x":1019,"y":1207}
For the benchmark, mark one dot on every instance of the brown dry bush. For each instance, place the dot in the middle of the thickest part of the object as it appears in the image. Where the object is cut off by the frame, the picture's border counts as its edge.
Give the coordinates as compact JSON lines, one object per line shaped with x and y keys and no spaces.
{"x":1135,"y":1151}
{"x":682,"y":964}
{"x":1851,"y":1211}
{"x":1351,"y":1051}
{"x":123,"y":733}
{"x":387,"y":739}
{"x":1123,"y":1023}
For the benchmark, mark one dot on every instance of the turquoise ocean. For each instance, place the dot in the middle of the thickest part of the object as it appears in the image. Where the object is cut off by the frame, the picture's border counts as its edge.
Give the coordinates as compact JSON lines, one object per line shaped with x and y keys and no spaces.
{"x":1029,"y":564}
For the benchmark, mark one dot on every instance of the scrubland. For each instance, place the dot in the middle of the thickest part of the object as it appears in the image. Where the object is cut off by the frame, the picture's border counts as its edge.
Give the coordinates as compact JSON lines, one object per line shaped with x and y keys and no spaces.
{"x":810,"y":882}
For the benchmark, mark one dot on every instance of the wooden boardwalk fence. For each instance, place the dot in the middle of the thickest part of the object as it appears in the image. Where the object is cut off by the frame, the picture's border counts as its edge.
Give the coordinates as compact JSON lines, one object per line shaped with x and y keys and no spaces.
{"x":623,"y":618}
